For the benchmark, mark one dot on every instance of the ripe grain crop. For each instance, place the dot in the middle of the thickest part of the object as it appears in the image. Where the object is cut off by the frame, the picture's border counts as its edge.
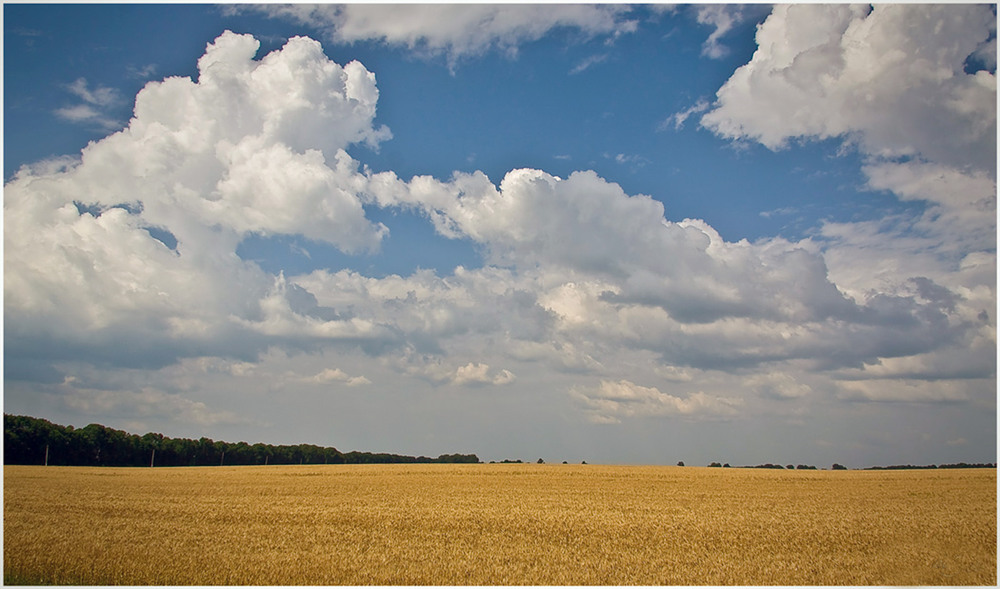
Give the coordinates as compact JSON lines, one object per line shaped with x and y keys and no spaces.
{"x":478,"y":524}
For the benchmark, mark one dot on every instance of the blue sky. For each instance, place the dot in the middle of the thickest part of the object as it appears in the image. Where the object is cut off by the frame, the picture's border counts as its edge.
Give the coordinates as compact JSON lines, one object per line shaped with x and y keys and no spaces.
{"x":632,"y":234}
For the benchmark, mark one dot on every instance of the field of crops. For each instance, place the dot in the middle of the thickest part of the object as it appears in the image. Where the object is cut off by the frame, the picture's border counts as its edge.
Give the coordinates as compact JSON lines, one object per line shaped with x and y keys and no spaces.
{"x":477,"y":524}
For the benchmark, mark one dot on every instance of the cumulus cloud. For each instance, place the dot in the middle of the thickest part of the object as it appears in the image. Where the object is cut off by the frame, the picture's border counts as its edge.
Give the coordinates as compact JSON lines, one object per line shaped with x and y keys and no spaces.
{"x":455,"y":30}
{"x":895,"y":82}
{"x":535,"y":218}
{"x":890,"y":79}
{"x":440,"y":370}
{"x":251,"y":146}
{"x":677,"y":290}
{"x":478,"y":373}
{"x":612,"y":401}
{"x":329,"y":375}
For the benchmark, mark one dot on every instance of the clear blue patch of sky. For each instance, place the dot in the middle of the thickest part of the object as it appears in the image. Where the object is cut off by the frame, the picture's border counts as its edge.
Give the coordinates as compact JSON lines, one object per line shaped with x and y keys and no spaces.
{"x":47,"y":47}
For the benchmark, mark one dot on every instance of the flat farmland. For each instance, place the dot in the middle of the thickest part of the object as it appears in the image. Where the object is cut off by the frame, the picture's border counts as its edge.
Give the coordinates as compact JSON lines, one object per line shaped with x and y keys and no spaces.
{"x":497,"y":524}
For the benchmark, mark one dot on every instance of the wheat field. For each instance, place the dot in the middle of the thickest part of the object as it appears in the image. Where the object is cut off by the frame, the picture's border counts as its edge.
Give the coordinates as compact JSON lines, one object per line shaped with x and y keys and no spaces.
{"x":503,"y":524}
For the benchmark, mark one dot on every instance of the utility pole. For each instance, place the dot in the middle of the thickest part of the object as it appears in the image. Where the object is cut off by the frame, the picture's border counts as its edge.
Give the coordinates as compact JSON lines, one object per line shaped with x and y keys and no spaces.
{"x":152,"y":458}
{"x":46,"y":454}
{"x":223,"y":459}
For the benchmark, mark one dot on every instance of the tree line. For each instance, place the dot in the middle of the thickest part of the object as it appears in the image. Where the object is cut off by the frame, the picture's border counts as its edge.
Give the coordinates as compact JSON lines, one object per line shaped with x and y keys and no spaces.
{"x":842,"y":467}
{"x":933,"y":466}
{"x":29,"y":440}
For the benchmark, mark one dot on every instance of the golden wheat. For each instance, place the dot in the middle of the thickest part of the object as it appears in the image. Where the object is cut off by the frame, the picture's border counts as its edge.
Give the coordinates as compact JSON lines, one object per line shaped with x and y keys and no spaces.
{"x":497,"y":525}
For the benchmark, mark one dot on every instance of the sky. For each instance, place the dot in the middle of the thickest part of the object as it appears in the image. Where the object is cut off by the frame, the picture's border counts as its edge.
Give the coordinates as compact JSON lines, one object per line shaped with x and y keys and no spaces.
{"x":614,"y":233}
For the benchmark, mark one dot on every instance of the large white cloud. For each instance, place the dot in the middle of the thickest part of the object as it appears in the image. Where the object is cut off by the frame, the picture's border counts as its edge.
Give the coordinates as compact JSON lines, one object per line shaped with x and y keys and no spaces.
{"x":889,"y":79}
{"x":586,"y":226}
{"x":893,"y":81}
{"x":456,"y":30}
{"x":611,"y":270}
{"x":139,"y":235}
{"x":611,"y":401}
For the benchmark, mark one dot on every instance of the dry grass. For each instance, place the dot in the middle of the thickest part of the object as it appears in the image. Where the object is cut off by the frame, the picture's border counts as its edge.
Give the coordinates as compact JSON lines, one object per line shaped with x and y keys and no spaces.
{"x":497,"y":525}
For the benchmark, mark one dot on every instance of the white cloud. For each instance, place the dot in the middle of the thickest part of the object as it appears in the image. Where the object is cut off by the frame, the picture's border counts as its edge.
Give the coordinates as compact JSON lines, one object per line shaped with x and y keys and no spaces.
{"x":722,"y":17}
{"x":535,"y":218}
{"x":612,"y":401}
{"x":99,"y":96}
{"x":633,"y":160}
{"x":478,"y":373}
{"x":144,"y":72}
{"x":441,"y":369}
{"x":960,"y":214}
{"x":890,"y":79}
{"x":778,"y":385}
{"x":250,"y":146}
{"x":272,"y":189}
{"x":78,"y":113}
{"x":456,"y":30}
{"x":96,"y":102}
{"x":328,"y":375}
{"x":588,"y":62}
{"x":678,"y":118}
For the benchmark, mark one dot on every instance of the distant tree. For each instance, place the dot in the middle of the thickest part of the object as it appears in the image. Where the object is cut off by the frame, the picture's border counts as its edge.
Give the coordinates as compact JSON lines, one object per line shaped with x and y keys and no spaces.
{"x":584,"y":462}
{"x":680,"y":463}
{"x":564,"y":462}
{"x":839,"y":466}
{"x":790,"y":467}
{"x":540,"y":461}
{"x":726,"y":465}
{"x":457,"y":458}
{"x":715,"y":465}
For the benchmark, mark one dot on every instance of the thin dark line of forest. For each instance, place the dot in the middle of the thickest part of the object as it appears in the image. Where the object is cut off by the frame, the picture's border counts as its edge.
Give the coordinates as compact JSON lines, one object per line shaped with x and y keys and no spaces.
{"x":842,"y":467}
{"x":33,"y":441}
{"x":30,"y":440}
